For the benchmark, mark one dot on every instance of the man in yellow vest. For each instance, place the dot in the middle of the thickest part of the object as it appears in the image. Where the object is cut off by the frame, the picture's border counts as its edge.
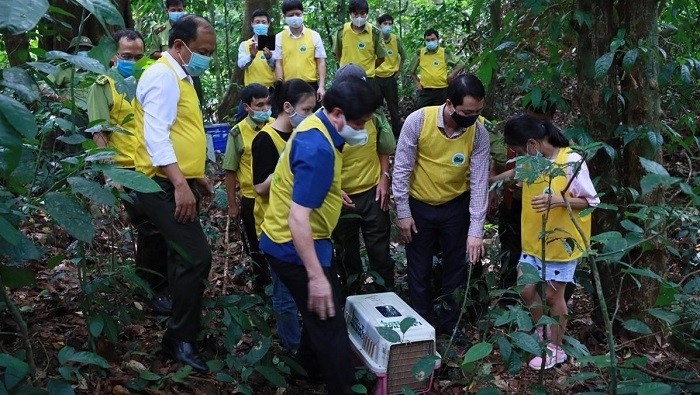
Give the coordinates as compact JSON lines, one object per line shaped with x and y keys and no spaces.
{"x":257,"y":63}
{"x":360,"y":43}
{"x":299,"y":51}
{"x":305,"y":203}
{"x":387,"y":74}
{"x":365,"y":184}
{"x":171,"y":150}
{"x":238,"y":163}
{"x":116,"y":129}
{"x":430,"y":70}
{"x":440,"y":186}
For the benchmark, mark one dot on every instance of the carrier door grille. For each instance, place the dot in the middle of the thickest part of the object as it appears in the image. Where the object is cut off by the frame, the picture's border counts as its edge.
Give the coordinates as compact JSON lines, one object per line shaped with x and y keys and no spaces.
{"x":402,"y":359}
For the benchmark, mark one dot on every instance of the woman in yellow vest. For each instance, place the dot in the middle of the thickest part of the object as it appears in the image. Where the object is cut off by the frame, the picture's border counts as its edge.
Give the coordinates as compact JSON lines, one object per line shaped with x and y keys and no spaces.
{"x":295,"y":100}
{"x":305,"y":203}
{"x":565,"y":242}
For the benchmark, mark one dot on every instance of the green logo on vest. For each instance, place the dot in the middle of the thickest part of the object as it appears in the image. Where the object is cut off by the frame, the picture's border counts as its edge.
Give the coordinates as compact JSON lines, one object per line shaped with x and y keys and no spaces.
{"x":361,"y":45}
{"x":458,"y":159}
{"x":548,"y":191}
{"x":436,"y":63}
{"x":302,"y":49}
{"x":389,"y":52}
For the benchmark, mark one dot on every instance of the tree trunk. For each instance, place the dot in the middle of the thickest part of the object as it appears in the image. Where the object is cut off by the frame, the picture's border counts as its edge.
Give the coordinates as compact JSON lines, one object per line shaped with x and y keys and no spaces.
{"x":17,"y":48}
{"x":496,"y":16}
{"x":229,"y":103}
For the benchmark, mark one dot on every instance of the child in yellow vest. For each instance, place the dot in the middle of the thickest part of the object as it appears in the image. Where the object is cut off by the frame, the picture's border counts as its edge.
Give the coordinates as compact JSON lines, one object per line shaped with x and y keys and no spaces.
{"x":527,"y":135}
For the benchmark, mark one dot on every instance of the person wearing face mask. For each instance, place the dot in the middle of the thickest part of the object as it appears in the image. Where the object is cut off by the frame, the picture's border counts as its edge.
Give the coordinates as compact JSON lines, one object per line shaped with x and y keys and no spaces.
{"x":299,"y":51}
{"x":360,"y":43}
{"x":239,"y":171}
{"x":116,"y":130}
{"x":365,"y":190}
{"x":257,"y":63}
{"x":430,"y":70}
{"x":388,"y":72}
{"x":305,"y":204}
{"x":295,"y":100}
{"x":440,"y":186}
{"x":171,"y":150}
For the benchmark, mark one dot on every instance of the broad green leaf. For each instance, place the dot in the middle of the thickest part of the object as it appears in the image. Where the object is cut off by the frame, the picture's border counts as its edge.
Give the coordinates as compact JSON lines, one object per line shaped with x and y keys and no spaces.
{"x":182,"y":374}
{"x":406,"y":324}
{"x":664,"y":315}
{"x":686,"y":76}
{"x":650,"y":182}
{"x":9,"y":232}
{"x":504,"y":346}
{"x":21,"y":119}
{"x":477,"y":352}
{"x":359,"y":389}
{"x":148,"y":375}
{"x":631,"y":226}
{"x":522,"y":318}
{"x":70,"y":216}
{"x":272,"y":375}
{"x":104,"y":51}
{"x":21,"y":16}
{"x":654,"y":389}
{"x":653,"y":167}
{"x":574,"y":347}
{"x":104,"y":11}
{"x":656,"y":140}
{"x":488,"y":391}
{"x":424,"y":367}
{"x":389,"y":334}
{"x":55,"y":261}
{"x":96,"y":323}
{"x":583,"y":18}
{"x":16,"y":370}
{"x":503,"y":318}
{"x":215,"y":365}
{"x":91,"y":190}
{"x":59,"y":387}
{"x":132,"y":180}
{"x":24,"y":251}
{"x":630,"y":58}
{"x":602,"y":64}
{"x":637,"y":326}
{"x":225,"y":378}
{"x":258,"y":351}
{"x":89,"y":358}
{"x":16,"y":277}
{"x":583,"y":376}
{"x":82,"y":62}
{"x":71,"y":139}
{"x":46,"y":68}
{"x":526,"y":342}
{"x":19,"y":80}
{"x":505,"y":45}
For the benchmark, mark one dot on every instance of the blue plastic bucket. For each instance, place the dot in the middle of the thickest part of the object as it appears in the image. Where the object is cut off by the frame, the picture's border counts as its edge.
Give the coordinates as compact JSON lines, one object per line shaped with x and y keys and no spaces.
{"x":219,"y":135}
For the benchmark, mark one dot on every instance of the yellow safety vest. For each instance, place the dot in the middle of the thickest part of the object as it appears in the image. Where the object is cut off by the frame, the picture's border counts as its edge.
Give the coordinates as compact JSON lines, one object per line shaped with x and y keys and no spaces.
{"x":559,"y":225}
{"x":186,"y":134}
{"x":299,"y":56}
{"x":390,"y":65}
{"x":123,"y":141}
{"x":259,"y":71}
{"x":358,"y":48}
{"x":361,"y":167}
{"x":262,"y":202}
{"x":323,"y":219}
{"x":245,"y":166}
{"x":441,"y":171}
{"x":432,"y":68}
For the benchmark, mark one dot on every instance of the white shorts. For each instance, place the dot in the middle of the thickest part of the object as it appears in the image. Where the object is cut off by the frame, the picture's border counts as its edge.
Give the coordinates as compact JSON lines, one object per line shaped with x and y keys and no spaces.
{"x":562,"y":272}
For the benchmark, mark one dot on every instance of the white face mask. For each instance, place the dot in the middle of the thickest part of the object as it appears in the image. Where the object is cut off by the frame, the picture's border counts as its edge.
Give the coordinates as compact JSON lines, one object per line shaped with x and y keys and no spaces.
{"x":359,"y":21}
{"x":294,"y":22}
{"x":353,"y":137}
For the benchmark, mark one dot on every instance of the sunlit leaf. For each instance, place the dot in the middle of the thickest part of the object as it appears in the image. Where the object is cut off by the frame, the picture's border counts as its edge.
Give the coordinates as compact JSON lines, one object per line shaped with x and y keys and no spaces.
{"x":21,"y":16}
{"x":602,"y":64}
{"x":477,"y":352}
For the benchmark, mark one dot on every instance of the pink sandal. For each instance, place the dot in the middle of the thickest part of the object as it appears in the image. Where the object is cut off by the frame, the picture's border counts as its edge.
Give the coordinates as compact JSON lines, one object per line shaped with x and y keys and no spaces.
{"x":555,"y":356}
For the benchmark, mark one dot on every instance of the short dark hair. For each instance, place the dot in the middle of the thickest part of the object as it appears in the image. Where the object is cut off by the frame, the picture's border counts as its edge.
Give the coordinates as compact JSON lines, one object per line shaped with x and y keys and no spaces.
{"x":465,"y":85}
{"x":383,"y":18}
{"x":174,"y":3}
{"x":358,"y":5}
{"x":260,"y":12}
{"x":521,"y":128}
{"x":291,"y":91}
{"x":430,"y":32}
{"x":354,"y":96}
{"x":185,"y":29}
{"x":129,"y":34}
{"x":289,"y":5}
{"x":253,"y":91}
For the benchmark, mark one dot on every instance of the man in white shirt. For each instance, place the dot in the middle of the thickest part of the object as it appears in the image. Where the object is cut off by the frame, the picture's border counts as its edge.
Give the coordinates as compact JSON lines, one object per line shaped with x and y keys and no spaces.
{"x":171,"y":149}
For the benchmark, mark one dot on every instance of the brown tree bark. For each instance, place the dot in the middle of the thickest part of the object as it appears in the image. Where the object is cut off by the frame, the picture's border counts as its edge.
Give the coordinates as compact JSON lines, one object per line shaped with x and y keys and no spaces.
{"x":229,"y":103}
{"x":17,"y":48}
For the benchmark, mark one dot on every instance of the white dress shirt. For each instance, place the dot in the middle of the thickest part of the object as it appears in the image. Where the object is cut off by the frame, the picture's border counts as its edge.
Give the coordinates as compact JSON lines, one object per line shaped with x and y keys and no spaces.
{"x":158,"y":94}
{"x":319,"y":50}
{"x":244,"y":58}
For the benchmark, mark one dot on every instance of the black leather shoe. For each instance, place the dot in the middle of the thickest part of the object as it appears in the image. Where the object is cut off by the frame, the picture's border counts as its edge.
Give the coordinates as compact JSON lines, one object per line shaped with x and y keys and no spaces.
{"x":162,"y":305}
{"x":186,"y":353}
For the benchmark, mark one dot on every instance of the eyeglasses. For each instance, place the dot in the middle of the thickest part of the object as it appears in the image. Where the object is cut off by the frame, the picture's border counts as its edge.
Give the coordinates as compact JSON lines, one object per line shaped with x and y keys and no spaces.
{"x":128,"y":56}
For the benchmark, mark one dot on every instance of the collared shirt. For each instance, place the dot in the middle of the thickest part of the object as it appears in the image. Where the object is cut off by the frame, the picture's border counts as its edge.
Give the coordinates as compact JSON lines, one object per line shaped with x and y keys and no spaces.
{"x":312,"y":160}
{"x":450,"y":59}
{"x":319,"y":50}
{"x":158,"y":93}
{"x":232,"y":159}
{"x":244,"y":58}
{"x":99,"y":102}
{"x":405,"y":159}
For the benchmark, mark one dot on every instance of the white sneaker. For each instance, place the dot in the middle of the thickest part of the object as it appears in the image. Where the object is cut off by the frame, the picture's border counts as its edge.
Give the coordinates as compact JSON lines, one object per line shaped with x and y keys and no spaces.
{"x":555,"y":356}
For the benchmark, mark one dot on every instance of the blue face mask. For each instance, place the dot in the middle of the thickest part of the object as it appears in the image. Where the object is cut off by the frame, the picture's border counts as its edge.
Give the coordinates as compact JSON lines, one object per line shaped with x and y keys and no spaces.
{"x":431,"y":45}
{"x":261,"y":116}
{"x":296,"y":118}
{"x":260,"y":29}
{"x":125,"y":67}
{"x":386,"y":29}
{"x":198,"y":63}
{"x":352,"y":136}
{"x":175,"y":15}
{"x":83,"y":54}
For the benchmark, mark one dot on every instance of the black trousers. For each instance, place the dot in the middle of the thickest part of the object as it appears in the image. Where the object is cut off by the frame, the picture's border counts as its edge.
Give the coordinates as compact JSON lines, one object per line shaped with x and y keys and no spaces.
{"x":325,"y":345}
{"x":375,"y":225}
{"x":188,"y":259}
{"x":389,"y":89}
{"x":511,"y":245}
{"x":261,"y":275}
{"x":431,"y":97}
{"x":448,"y":225}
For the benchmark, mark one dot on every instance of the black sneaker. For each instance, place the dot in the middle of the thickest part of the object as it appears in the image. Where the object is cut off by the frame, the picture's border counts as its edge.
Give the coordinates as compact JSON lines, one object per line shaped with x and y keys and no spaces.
{"x":161,"y":305}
